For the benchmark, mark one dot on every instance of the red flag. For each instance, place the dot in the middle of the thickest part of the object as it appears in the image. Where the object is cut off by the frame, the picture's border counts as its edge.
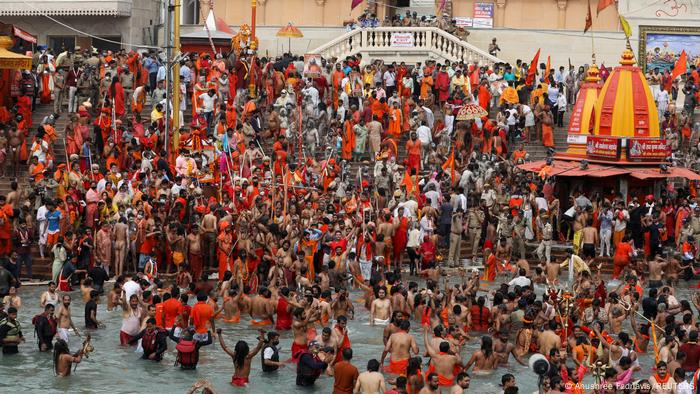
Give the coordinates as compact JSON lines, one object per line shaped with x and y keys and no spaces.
{"x":589,"y":18}
{"x":533,"y":69}
{"x":681,"y":66}
{"x":355,"y":3}
{"x":603,"y":4}
{"x":546,"y":72}
{"x":223,"y":27}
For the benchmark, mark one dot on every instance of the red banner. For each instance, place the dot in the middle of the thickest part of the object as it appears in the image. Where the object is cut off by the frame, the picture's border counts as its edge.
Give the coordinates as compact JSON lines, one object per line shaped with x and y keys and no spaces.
{"x":23,"y":35}
{"x":604,"y":147}
{"x":639,"y":149}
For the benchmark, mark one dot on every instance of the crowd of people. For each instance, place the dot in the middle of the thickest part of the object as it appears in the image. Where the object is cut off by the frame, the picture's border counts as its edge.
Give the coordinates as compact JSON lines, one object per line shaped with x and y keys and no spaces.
{"x":354,"y":177}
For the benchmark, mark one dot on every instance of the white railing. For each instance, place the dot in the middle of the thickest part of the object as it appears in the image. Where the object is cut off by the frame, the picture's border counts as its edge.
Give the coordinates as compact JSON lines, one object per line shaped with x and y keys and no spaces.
{"x":375,"y":41}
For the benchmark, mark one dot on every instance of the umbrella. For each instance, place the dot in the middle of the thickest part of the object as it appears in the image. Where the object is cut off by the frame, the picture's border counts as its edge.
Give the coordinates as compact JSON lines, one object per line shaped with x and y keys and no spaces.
{"x":290,"y":31}
{"x":471,"y":112}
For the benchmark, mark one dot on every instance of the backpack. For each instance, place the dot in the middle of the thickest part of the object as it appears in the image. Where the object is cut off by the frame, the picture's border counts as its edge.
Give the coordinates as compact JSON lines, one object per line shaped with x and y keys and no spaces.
{"x":187,"y":355}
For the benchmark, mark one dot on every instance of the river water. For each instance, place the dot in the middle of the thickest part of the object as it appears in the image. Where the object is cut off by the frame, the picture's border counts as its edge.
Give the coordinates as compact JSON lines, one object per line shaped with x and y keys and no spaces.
{"x":120,"y":370}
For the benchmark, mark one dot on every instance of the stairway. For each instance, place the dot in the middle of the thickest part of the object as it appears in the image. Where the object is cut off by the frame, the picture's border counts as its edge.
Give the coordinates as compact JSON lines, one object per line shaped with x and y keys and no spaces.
{"x":538,"y":151}
{"x":416,"y":45}
{"x":41,"y":267}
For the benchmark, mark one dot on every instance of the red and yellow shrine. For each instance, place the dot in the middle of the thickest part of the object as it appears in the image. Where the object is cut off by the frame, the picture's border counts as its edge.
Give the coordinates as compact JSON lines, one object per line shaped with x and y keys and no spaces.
{"x":582,"y":118}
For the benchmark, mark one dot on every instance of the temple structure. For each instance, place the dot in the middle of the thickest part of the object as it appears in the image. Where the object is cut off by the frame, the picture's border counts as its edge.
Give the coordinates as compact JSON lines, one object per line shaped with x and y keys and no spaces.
{"x":614,"y":138}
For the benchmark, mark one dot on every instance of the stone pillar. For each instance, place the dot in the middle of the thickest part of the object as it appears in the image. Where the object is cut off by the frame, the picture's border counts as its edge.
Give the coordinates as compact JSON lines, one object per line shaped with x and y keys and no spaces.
{"x":262,"y":12}
{"x":322,"y":4}
{"x":500,"y":13}
{"x":561,"y":14}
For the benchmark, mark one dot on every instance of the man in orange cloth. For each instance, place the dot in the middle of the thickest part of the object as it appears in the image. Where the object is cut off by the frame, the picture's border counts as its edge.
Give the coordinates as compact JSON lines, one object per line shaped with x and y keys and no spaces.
{"x":348,"y":140}
{"x":413,"y":148}
{"x":225,"y":251}
{"x":426,"y":85}
{"x":484,"y":94}
{"x":395,"y":121}
{"x":336,"y":79}
{"x":400,"y":344}
{"x":547,"y":124}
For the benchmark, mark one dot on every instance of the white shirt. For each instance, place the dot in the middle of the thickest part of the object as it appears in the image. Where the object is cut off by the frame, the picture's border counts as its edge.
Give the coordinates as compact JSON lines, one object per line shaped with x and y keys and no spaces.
{"x":424,"y":135}
{"x":268,"y":353}
{"x":541,"y":203}
{"x":389,"y":78}
{"x":186,"y":74}
{"x":429,"y":117}
{"x":684,"y":387}
{"x":521,"y":281}
{"x":561,"y":102}
{"x":207,"y":102}
{"x":130,"y":288}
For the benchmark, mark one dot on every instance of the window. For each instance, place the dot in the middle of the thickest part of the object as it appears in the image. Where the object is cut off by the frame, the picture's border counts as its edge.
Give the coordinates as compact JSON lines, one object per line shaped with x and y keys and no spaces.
{"x":105,"y":45}
{"x":59,"y":43}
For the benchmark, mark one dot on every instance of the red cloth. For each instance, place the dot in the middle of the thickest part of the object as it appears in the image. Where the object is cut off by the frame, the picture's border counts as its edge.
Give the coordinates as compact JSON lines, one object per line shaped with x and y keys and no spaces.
{"x":118,"y":97}
{"x":238,"y":381}
{"x":442,"y":83}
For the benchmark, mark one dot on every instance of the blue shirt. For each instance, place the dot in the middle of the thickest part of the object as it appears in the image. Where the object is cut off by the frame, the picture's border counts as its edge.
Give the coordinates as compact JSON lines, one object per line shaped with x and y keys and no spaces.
{"x":509,"y":76}
{"x":151,"y":65}
{"x":54,"y":221}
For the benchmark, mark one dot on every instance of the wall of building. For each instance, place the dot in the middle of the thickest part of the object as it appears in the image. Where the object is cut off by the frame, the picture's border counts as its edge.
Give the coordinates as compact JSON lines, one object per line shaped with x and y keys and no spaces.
{"x":133,"y":29}
{"x":280,"y":12}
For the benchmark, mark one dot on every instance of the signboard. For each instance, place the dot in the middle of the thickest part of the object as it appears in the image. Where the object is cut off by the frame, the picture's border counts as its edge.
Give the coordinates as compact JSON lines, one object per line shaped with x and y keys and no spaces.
{"x":639,"y":149}
{"x":312,"y":65}
{"x":603,"y":147}
{"x":23,"y":35}
{"x":483,"y":10}
{"x":402,"y":40}
{"x":482,"y":15}
{"x":463,"y":21}
{"x":579,"y":139}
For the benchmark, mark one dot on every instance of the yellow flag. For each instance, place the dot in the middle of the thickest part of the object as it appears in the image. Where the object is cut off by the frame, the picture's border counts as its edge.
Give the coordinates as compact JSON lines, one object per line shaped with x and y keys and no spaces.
{"x":625,"y":27}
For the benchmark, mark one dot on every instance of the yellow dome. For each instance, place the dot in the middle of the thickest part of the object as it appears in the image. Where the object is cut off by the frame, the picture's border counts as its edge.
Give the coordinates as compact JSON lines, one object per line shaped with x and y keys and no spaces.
{"x":625,"y":107}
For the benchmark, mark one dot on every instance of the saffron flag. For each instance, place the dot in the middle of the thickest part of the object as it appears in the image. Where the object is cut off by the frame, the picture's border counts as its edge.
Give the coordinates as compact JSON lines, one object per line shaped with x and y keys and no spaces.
{"x":222,"y":26}
{"x":625,"y":27}
{"x":408,"y":182}
{"x":589,"y":18}
{"x":681,"y":66}
{"x":532,"y":70}
{"x":441,"y":6}
{"x":450,"y":163}
{"x":355,"y":3}
{"x":603,"y":4}
{"x":546,"y":72}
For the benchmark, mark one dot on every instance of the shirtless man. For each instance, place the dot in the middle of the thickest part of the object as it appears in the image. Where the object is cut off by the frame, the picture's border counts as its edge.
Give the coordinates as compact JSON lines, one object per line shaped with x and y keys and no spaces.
{"x":16,"y":137}
{"x":342,"y":306}
{"x":548,"y":339}
{"x":120,"y":236}
{"x":442,"y":361}
{"x":241,"y":362}
{"x":656,"y":272}
{"x":589,"y":239}
{"x":262,"y":308}
{"x":209,"y":229}
{"x":328,"y":340}
{"x":15,"y":197}
{"x":380,"y":311}
{"x":64,"y":362}
{"x":299,"y":328}
{"x":461,"y":383}
{"x":400,"y":344}
{"x":484,"y":359}
{"x":64,"y":319}
{"x":103,"y":247}
{"x":552,"y":269}
{"x":194,"y":251}
{"x":432,"y":384}
{"x":371,"y":381}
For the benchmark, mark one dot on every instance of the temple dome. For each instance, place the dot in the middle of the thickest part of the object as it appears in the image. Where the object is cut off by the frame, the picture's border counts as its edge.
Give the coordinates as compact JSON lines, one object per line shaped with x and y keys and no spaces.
{"x":625,"y":107}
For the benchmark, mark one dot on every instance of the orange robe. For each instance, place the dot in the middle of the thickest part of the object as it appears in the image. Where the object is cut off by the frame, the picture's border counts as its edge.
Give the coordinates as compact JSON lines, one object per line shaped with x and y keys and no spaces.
{"x":395,"y":118}
{"x":426,"y":86}
{"x":348,"y":141}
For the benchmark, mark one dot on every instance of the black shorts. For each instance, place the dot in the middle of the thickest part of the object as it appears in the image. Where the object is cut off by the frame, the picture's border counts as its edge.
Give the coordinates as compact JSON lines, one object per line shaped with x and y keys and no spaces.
{"x":588,"y":250}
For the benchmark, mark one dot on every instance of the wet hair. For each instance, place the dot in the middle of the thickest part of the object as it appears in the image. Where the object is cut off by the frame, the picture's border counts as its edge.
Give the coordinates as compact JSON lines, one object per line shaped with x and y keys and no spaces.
{"x":59,"y":348}
{"x":373,"y":365}
{"x":444,"y":346}
{"x":240,"y":352}
{"x":414,"y":366}
{"x":487,"y":345}
{"x":347,"y":354}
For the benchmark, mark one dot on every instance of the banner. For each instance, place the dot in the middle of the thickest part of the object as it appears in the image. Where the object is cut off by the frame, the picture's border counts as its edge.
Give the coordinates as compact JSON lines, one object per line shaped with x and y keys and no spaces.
{"x":402,"y":40}
{"x":312,"y":65}
{"x":639,"y":149}
{"x":463,"y":21}
{"x":604,"y":147}
{"x":482,"y":15}
{"x":23,"y":35}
